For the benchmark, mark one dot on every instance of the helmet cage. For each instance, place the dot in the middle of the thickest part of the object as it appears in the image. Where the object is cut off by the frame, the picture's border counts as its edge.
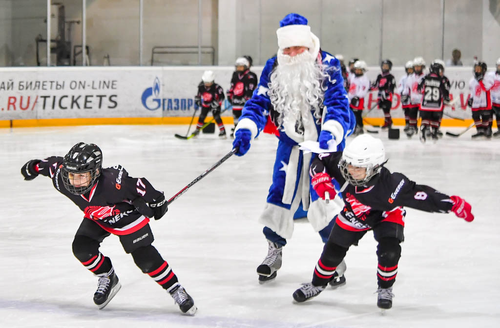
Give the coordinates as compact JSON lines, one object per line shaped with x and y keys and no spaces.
{"x":371,"y":171}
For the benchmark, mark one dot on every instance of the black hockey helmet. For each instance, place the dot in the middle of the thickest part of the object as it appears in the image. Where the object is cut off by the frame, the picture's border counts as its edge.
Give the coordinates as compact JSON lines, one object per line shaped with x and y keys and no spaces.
{"x":388,"y":62}
{"x":436,"y":68}
{"x":479,"y":75}
{"x":250,"y":60}
{"x":81,"y":158}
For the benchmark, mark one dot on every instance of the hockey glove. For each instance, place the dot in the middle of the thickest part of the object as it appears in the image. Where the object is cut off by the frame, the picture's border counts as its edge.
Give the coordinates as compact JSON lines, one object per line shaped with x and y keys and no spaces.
{"x":323,"y":139}
{"x":322,"y":183}
{"x":405,"y":99}
{"x":214,"y":104}
{"x":197,"y":101}
{"x":159,"y":207}
{"x":470,"y":101}
{"x":29,"y":170}
{"x":142,"y":207}
{"x":241,"y":142}
{"x":355,"y":102}
{"x":462,"y":209}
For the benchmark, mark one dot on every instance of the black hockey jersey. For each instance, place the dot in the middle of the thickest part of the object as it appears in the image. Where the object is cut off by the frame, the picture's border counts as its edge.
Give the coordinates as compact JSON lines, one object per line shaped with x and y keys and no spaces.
{"x":242,"y":86}
{"x":385,"y":85}
{"x":109,"y":202}
{"x":436,"y":90}
{"x":213,"y":96}
{"x":383,"y":199}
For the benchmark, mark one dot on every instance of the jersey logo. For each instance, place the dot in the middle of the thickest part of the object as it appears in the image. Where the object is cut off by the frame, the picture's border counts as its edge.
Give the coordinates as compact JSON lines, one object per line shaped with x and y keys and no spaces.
{"x":207,"y":97}
{"x":496,"y":85}
{"x":478,"y":90}
{"x":396,"y":192}
{"x":118,"y":180}
{"x":382,"y":82}
{"x":238,"y":89}
{"x":100,"y":212}
{"x":359,"y":209}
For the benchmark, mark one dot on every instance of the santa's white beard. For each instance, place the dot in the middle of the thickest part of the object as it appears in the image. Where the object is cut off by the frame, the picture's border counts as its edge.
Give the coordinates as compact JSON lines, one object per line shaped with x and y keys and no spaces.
{"x":296,"y":88}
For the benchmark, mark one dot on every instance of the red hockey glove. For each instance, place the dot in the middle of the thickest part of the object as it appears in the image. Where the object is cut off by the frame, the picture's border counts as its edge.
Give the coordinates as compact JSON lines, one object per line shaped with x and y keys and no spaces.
{"x":322,"y":184}
{"x":462,"y":209}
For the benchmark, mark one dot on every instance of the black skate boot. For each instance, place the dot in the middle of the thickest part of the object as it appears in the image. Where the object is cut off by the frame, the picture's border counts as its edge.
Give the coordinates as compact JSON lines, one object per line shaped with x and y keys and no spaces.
{"x":407,"y":127}
{"x":479,"y":135}
{"x":232,"y":133}
{"x":411,"y":131}
{"x":107,"y":287}
{"x":385,"y":296}
{"x":423,"y":133}
{"x":182,"y":298}
{"x":434,"y":135}
{"x":439,"y":133}
{"x":271,"y":264}
{"x":497,"y":134}
{"x":222,"y":134}
{"x":307,"y":291}
{"x":488,"y":133}
{"x":338,"y":278}
{"x":196,"y":132}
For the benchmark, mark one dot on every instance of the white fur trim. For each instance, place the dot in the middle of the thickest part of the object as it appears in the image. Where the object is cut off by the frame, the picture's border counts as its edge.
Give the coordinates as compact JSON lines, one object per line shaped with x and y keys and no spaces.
{"x":315,"y":50}
{"x":320,"y":213}
{"x":294,"y":36}
{"x":291,"y":176}
{"x":335,"y":129}
{"x":247,"y":123}
{"x":278,"y":219}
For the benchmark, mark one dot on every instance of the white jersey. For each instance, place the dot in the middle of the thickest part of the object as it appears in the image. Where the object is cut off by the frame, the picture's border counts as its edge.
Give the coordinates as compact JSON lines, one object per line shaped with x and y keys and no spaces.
{"x":411,"y":88}
{"x":480,"y":92}
{"x":402,"y":86}
{"x":495,"y":89}
{"x":360,"y":85}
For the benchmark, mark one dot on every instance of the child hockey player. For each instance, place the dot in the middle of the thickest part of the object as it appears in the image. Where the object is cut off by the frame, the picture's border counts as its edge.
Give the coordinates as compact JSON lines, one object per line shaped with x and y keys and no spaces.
{"x":374,"y":199}
{"x":495,"y":95}
{"x":210,"y":97}
{"x":242,"y":86}
{"x":436,"y":93}
{"x":358,"y":89}
{"x":480,"y":101}
{"x":415,"y":96}
{"x":385,"y":84}
{"x":113,"y":203}
{"x":405,"y":100}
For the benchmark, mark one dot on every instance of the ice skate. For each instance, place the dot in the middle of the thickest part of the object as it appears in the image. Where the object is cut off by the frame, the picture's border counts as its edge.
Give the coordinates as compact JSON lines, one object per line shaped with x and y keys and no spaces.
{"x":338,"y":278}
{"x":411,"y":131}
{"x":496,"y":134}
{"x":488,"y":133}
{"x":307,"y":291}
{"x":385,"y":296}
{"x":182,"y":298}
{"x":406,"y":128}
{"x":107,"y":287}
{"x":196,"y":133}
{"x":423,"y":134}
{"x":479,"y":135}
{"x":387,"y":125}
{"x":271,"y":264}
{"x":222,"y":134}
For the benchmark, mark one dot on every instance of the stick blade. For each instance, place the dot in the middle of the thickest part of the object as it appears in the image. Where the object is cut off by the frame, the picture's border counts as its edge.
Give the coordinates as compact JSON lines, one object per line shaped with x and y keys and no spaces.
{"x":181,"y":137}
{"x":372,"y":131}
{"x":452,"y":134}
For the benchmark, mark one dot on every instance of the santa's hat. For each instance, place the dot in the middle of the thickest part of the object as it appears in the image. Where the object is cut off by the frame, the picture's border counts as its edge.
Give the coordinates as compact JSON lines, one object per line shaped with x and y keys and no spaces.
{"x":294,"y":32}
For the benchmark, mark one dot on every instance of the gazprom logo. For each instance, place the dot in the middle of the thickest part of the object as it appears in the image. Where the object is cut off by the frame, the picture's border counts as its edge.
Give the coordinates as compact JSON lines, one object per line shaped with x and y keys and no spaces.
{"x":151,"y":96}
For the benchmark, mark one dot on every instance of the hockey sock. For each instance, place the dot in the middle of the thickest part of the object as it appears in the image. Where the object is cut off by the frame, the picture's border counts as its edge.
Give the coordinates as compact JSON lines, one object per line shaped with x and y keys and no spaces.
{"x":150,"y":261}
{"x":388,"y":252}
{"x":164,"y":276}
{"x":98,"y":264}
{"x":331,"y":257}
{"x":86,"y":250}
{"x":221,"y":127}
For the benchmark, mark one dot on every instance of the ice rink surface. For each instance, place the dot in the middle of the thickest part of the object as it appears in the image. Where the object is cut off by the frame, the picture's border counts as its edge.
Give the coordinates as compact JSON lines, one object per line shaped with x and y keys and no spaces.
{"x":448,"y":272}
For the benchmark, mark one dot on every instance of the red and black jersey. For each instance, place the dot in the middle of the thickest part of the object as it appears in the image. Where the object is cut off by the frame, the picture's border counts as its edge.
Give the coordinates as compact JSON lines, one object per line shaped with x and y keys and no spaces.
{"x":211,"y":96}
{"x":383,"y":199}
{"x":242,"y":86}
{"x":109,"y":202}
{"x":385,"y":85}
{"x":435,"y":89}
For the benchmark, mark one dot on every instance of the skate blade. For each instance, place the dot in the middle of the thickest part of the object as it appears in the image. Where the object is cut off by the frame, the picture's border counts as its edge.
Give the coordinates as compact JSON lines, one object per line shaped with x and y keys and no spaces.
{"x":264,"y":279}
{"x":114,"y":291}
{"x":191,"y":311}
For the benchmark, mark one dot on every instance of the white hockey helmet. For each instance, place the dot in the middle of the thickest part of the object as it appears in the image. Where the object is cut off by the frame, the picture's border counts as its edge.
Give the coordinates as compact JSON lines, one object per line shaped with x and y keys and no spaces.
{"x":208,"y":77}
{"x":339,"y":57}
{"x":242,"y":61}
{"x":440,"y":61}
{"x":363,"y":151}
{"x":360,"y":64}
{"x":418,"y":61}
{"x":409,"y":64}
{"x":498,"y":61}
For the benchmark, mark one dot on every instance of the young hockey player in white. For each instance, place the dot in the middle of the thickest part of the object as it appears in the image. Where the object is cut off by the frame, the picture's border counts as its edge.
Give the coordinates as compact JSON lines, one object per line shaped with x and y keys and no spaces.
{"x":495,"y":95}
{"x":415,"y":96}
{"x":358,"y":89}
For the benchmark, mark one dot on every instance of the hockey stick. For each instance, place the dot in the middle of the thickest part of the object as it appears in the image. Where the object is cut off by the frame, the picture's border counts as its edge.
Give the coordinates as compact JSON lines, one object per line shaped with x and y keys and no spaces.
{"x":456,"y":135}
{"x":189,"y":128}
{"x":368,"y":130}
{"x":201,"y":176}
{"x":204,"y":126}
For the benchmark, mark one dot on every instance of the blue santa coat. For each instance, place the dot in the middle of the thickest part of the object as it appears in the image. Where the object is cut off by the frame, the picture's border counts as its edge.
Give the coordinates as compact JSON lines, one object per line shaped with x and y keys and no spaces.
{"x":336,"y":105}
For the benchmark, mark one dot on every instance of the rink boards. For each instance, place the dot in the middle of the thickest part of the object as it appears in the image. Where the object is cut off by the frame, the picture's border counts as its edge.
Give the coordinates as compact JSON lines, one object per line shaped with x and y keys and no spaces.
{"x":55,"y":96}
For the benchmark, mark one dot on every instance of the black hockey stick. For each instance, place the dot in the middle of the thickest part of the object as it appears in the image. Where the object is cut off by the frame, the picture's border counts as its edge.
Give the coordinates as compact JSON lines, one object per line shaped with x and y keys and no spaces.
{"x":204,"y":126}
{"x":368,"y":130}
{"x":189,"y":128}
{"x":456,"y":135}
{"x":201,"y":176}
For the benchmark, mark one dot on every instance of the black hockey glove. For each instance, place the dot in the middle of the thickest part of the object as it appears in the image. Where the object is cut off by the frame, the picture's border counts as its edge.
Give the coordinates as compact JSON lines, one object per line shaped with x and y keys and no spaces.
{"x":470,"y":101}
{"x":28,"y":170}
{"x":405,"y":99}
{"x":355,"y":101}
{"x":159,"y":207}
{"x":197,"y":101}
{"x":214,"y":104}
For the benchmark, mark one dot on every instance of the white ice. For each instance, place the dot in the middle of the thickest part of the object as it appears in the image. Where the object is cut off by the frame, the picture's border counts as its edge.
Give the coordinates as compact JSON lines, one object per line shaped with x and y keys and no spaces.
{"x":449,"y":273}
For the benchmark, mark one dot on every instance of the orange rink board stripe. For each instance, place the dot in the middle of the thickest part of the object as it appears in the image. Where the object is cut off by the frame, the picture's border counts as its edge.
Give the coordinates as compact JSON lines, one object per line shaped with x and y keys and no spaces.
{"x":176,"y":121}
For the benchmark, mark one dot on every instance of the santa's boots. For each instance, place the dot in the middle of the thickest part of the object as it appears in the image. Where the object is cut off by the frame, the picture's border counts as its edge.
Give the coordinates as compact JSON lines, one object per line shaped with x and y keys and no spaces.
{"x":271,"y":264}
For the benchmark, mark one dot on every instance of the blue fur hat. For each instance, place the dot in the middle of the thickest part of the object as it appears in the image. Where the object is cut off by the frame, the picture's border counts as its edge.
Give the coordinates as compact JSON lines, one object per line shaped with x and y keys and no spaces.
{"x":293,"y":19}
